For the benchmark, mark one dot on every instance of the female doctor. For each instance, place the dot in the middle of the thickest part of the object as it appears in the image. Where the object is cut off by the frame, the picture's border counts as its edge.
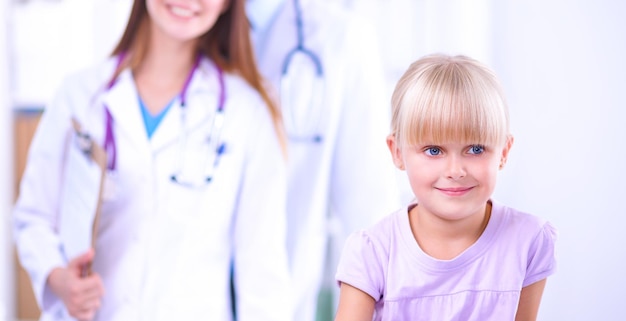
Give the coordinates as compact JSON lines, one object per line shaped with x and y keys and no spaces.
{"x":195,"y":175}
{"x":323,"y":62}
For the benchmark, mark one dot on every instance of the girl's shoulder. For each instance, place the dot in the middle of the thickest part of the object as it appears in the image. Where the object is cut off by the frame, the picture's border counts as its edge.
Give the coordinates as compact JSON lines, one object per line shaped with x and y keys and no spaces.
{"x":388,"y":224}
{"x":366,"y":255}
{"x":518,"y":221}
{"x":383,"y":234}
{"x":529,"y":239}
{"x":530,"y":234}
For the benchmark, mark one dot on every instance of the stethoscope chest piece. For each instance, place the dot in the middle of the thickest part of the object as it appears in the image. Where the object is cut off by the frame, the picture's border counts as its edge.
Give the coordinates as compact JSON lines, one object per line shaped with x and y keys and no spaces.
{"x":198,"y":168}
{"x":196,"y":164}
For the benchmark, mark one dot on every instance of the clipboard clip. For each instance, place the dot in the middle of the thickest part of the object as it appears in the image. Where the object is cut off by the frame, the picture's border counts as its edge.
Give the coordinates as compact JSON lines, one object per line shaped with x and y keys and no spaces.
{"x":88,"y":146}
{"x":85,"y":143}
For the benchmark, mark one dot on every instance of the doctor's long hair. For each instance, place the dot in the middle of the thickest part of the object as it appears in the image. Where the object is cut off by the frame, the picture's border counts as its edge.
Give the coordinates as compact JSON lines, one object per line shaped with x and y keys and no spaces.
{"x":227,"y":43}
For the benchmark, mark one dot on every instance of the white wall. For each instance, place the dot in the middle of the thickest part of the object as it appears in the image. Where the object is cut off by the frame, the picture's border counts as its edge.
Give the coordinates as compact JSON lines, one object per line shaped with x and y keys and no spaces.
{"x":7,"y":303}
{"x":563,"y":66}
{"x":71,"y":33}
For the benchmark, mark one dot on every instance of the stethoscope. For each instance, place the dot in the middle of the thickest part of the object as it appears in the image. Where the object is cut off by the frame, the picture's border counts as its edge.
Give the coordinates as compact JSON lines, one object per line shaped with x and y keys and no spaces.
{"x":215,"y":144}
{"x":305,"y":127}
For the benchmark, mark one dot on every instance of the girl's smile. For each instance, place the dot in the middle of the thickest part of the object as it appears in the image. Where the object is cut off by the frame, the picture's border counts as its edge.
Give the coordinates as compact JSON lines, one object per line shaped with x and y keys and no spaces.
{"x":455,"y":191}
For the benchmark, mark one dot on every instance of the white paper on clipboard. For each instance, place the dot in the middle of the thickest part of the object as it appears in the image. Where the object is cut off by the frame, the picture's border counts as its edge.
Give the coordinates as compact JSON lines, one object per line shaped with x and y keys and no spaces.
{"x":81,"y":196}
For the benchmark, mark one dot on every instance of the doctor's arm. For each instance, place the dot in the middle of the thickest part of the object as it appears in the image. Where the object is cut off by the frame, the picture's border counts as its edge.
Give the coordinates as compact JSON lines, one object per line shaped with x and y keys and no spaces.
{"x":80,"y":294}
{"x":35,"y":215}
{"x":261,"y":270}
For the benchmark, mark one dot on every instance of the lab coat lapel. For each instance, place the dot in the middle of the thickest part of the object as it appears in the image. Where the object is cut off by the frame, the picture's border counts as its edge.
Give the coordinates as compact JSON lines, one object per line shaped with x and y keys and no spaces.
{"x":122,"y":102}
{"x":200,"y":106}
{"x":169,"y":129}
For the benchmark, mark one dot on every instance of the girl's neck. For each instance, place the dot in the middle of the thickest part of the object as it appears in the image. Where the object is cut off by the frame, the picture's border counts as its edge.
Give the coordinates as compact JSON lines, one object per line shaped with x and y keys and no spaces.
{"x":443,"y":239}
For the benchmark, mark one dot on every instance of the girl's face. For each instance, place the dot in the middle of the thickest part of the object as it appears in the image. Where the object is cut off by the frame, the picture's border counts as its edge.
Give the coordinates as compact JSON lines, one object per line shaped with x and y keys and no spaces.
{"x":451,"y":181}
{"x":184,"y":20}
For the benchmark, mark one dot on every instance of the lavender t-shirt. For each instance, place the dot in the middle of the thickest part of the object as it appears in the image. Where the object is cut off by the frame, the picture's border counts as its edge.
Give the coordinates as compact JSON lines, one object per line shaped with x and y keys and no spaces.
{"x":482,"y":283}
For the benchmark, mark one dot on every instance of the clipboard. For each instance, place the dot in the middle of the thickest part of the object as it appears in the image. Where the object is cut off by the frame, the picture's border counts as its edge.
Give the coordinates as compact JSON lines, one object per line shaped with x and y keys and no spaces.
{"x":82,"y":192}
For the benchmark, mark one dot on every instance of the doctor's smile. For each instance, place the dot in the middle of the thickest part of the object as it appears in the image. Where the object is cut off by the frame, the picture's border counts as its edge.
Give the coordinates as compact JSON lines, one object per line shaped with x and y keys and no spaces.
{"x":182,"y":12}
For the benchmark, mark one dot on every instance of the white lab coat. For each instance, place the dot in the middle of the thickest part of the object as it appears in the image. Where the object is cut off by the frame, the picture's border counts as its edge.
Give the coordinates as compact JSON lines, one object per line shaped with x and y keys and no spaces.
{"x":163,"y":250}
{"x":351,"y":172}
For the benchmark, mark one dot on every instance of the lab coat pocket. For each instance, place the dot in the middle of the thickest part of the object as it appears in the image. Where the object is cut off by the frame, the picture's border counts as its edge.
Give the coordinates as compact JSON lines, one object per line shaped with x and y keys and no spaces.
{"x":192,"y":308}
{"x":197,"y":161}
{"x":198,"y":285}
{"x":191,"y":184}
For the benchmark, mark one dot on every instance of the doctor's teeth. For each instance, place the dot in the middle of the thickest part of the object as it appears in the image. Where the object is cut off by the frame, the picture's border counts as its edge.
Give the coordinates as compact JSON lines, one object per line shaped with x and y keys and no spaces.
{"x":182,"y":12}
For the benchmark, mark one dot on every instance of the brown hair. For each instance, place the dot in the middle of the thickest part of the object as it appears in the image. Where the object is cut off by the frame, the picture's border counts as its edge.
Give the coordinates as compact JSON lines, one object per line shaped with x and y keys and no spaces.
{"x":227,"y":43}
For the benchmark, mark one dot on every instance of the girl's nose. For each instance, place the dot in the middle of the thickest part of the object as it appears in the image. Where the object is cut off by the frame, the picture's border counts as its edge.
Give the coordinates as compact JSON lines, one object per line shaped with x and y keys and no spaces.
{"x":455,"y":169}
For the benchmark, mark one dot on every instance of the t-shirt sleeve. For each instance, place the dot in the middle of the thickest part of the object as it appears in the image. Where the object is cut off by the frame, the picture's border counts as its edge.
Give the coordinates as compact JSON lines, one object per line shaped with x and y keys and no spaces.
{"x":361,"y":266}
{"x":541,"y":255}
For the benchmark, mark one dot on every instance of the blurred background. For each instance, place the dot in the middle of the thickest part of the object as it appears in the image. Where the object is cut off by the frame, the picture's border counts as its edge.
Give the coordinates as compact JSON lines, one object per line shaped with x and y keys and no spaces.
{"x":562,"y":66}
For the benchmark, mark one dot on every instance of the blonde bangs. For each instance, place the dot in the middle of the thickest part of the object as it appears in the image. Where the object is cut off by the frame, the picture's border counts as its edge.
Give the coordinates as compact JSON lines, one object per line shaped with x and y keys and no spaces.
{"x":444,"y":99}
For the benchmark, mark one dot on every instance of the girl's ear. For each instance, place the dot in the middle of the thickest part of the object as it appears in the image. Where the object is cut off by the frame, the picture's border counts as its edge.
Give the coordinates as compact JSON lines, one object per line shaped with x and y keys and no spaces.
{"x":505,"y":150}
{"x":396,"y":152}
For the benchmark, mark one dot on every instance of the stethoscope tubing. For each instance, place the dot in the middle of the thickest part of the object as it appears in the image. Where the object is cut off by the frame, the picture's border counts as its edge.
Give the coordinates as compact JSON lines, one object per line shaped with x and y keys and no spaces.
{"x":300,"y":44}
{"x":109,"y":139}
{"x":300,"y":47}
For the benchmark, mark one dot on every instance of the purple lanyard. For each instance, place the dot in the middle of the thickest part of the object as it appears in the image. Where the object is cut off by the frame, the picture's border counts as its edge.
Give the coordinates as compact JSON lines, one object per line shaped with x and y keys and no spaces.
{"x":109,"y":138}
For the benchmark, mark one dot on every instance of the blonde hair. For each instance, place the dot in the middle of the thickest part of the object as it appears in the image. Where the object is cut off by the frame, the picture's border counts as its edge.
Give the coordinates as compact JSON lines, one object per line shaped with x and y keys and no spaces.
{"x":444,"y":98}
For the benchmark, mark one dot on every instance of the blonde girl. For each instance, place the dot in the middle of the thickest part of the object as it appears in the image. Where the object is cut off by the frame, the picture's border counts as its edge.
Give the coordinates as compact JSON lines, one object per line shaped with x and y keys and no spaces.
{"x":454,"y":253}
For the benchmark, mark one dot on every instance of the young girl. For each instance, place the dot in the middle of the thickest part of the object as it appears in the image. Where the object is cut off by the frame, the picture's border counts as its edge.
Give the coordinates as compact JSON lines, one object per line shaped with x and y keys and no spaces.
{"x":454,"y":254}
{"x":196,"y":175}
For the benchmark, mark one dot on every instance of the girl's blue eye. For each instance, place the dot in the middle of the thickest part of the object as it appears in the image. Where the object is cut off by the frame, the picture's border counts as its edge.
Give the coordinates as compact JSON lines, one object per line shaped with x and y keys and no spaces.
{"x":433,"y":151}
{"x":476,"y":149}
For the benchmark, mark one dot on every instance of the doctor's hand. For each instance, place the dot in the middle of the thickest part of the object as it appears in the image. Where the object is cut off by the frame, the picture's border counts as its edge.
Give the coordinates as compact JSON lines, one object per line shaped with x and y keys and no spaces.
{"x":80,"y":294}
